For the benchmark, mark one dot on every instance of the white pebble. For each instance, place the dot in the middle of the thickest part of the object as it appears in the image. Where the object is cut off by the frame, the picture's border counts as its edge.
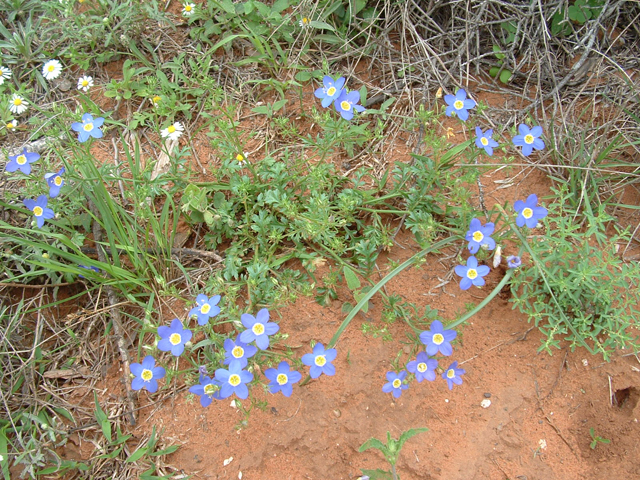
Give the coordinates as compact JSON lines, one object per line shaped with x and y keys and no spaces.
{"x":227,"y":461}
{"x":485,"y":403}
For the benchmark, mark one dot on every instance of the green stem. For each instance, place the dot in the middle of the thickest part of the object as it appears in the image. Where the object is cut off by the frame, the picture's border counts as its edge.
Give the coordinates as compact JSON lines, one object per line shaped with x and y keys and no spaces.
{"x":393,"y":471}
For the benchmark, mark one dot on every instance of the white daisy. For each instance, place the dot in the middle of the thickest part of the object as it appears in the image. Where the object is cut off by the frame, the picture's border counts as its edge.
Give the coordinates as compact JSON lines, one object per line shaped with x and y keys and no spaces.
{"x":17,"y":104}
{"x":188,"y":9}
{"x":51,"y":69}
{"x":172,"y":132}
{"x":5,"y":74}
{"x":85,"y":83}
{"x":304,"y":22}
{"x":156,"y":100}
{"x":11,"y":125}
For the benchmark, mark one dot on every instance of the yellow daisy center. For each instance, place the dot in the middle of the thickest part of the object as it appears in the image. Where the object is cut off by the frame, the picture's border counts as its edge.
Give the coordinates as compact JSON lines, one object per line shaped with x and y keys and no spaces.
{"x":175,"y":338}
{"x":239,"y":157}
{"x":146,"y":375}
{"x":305,"y":20}
{"x":85,"y":83}
{"x":10,"y":125}
{"x":282,"y":379}
{"x":471,"y":273}
{"x":156,"y":99}
{"x":171,"y":129}
{"x":422,"y":367}
{"x":51,"y":68}
{"x":331,"y":91}
{"x":458,"y":104}
{"x":484,"y":141}
{"x":37,"y":211}
{"x":17,"y":102}
{"x":527,"y":213}
{"x":451,"y":373}
{"x":234,"y":380}
{"x":528,"y":139}
{"x":346,"y":106}
{"x":205,"y":308}
{"x":187,"y":8}
{"x":258,"y":329}
{"x":57,"y":181}
{"x":21,"y":160}
{"x":320,"y":361}
{"x":396,"y":383}
{"x":88,"y":127}
{"x":209,"y":389}
{"x":237,"y":352}
{"x":438,"y":338}
{"x":478,"y":236}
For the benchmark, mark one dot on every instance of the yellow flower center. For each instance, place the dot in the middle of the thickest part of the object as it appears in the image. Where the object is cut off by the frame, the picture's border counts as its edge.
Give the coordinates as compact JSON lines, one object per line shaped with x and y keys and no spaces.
{"x":527,"y":213}
{"x":331,"y":91}
{"x":451,"y":373}
{"x":17,"y":102}
{"x":175,"y":338}
{"x":171,"y":129}
{"x":237,"y":352}
{"x":147,"y":375}
{"x":234,"y":380}
{"x":471,"y":273}
{"x":239,"y":158}
{"x":282,"y":379}
{"x":10,"y":126}
{"x":57,"y":181}
{"x":346,"y":106}
{"x":478,"y":236}
{"x":320,"y":360}
{"x":438,"y":338}
{"x":156,"y":99}
{"x":88,"y":127}
{"x":209,"y":389}
{"x":21,"y":160}
{"x":396,"y":383}
{"x":305,"y":20}
{"x":422,"y":367}
{"x":187,"y":8}
{"x":258,"y":329}
{"x":205,"y":308}
{"x":484,"y":141}
{"x":85,"y":83}
{"x":528,"y":139}
{"x":458,"y":104}
{"x":37,"y":211}
{"x":51,"y":68}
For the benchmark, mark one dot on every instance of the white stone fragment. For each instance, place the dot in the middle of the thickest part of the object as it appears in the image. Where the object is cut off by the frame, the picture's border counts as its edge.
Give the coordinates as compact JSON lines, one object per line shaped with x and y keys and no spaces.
{"x":485,"y":403}
{"x":227,"y":461}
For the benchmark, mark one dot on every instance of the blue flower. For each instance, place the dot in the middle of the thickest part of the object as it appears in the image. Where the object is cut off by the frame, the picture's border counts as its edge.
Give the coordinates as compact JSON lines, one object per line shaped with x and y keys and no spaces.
{"x":438,"y":339}
{"x":233,"y":381}
{"x":528,"y":139}
{"x":95,"y":269}
{"x":330,"y":91}
{"x":173,"y":338}
{"x":528,"y":211}
{"x":513,"y":261}
{"x":484,"y":140}
{"x":259,"y":329}
{"x":478,"y":236}
{"x":282,"y":379}
{"x":39,"y":209}
{"x":471,"y":274}
{"x":89,"y":127}
{"x":395,"y":384}
{"x":55,"y":182}
{"x":346,"y":103}
{"x":459,"y":104}
{"x":452,"y":375}
{"x":320,"y":361}
{"x":238,"y":352}
{"x":208,"y":389}
{"x":423,"y":367}
{"x":22,"y":162}
{"x":207,"y":308}
{"x":147,"y":374}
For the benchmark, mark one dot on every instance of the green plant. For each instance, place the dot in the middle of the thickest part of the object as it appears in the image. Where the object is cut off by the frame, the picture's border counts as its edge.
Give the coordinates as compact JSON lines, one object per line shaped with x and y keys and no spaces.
{"x":579,"y":12}
{"x":391,"y":452}
{"x":595,"y":439}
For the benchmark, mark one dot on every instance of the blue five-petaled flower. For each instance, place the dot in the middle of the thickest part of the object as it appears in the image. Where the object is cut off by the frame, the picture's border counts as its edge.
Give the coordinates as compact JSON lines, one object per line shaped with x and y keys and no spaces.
{"x":478,"y":236}
{"x":438,"y":339}
{"x":147,"y":374}
{"x":89,"y":127}
{"x":528,"y":139}
{"x":330,"y":90}
{"x":423,"y":367}
{"x":282,"y":379}
{"x":206,"y":308}
{"x":514,"y":261}
{"x":39,"y":209}
{"x":22,"y":162}
{"x":471,"y":273}
{"x":233,"y":381}
{"x":528,"y":211}
{"x":173,"y":338}
{"x":55,"y":182}
{"x":453,"y":375}
{"x":207,"y":389}
{"x":320,"y":361}
{"x":484,"y":140}
{"x":237,"y":352}
{"x":346,"y":103}
{"x":459,"y":104}
{"x":259,"y":328}
{"x":395,"y":383}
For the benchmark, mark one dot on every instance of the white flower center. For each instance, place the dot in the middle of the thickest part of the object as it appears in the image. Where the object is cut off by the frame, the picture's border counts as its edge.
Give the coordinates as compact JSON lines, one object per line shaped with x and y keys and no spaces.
{"x":237,"y":352}
{"x":438,"y":338}
{"x":175,"y":338}
{"x":458,"y":104}
{"x":529,"y":139}
{"x":471,"y":274}
{"x":331,"y":91}
{"x":484,"y":141}
{"x":282,"y":379}
{"x":146,"y":375}
{"x":205,"y":308}
{"x":234,"y":380}
{"x":88,"y":127}
{"x":527,"y":213}
{"x":396,"y":383}
{"x":451,"y":373}
{"x":320,"y":360}
{"x":38,"y":211}
{"x":209,"y":389}
{"x":57,"y":181}
{"x":478,"y":236}
{"x":258,"y":329}
{"x":21,"y":160}
{"x":422,"y":367}
{"x":346,"y":106}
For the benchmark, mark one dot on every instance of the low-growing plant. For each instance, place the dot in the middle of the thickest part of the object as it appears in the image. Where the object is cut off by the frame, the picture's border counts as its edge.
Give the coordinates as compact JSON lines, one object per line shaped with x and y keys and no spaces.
{"x":391,"y":452}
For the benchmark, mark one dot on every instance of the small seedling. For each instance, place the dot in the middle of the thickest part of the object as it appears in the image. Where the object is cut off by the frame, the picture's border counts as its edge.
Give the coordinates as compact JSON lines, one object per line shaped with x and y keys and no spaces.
{"x":391,"y":452}
{"x":595,"y":439}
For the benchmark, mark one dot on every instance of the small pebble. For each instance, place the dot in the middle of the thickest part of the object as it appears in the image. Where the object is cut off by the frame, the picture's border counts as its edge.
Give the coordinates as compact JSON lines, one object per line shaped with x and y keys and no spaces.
{"x":337,"y":413}
{"x":487,"y":395}
{"x":227,"y":461}
{"x":485,"y":403}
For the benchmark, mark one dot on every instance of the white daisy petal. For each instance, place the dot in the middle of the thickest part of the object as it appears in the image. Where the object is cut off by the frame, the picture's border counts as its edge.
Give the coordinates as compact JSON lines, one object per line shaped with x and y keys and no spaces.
{"x":51,"y":69}
{"x":5,"y":74}
{"x":85,"y":83}
{"x":172,"y":132}
{"x":17,"y":104}
{"x":188,"y":9}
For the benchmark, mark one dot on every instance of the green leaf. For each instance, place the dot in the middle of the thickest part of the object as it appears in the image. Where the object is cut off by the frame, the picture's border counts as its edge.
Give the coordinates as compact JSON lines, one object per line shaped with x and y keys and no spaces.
{"x":321,"y":25}
{"x":374,"y":443}
{"x":408,"y":434}
{"x":377,"y":474}
{"x":505,"y":76}
{"x":493,"y":71}
{"x":102,"y":418}
{"x":353,"y":282}
{"x":138,"y":454}
{"x":303,"y":76}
